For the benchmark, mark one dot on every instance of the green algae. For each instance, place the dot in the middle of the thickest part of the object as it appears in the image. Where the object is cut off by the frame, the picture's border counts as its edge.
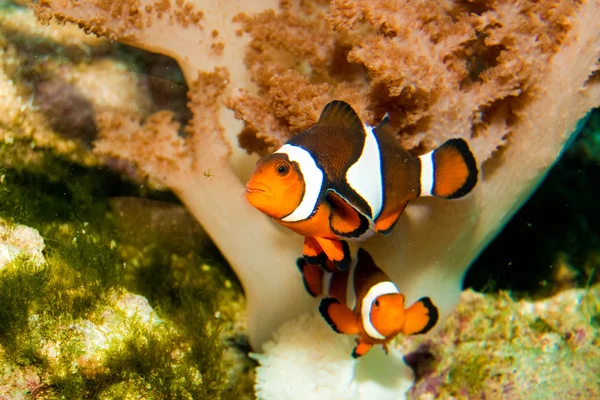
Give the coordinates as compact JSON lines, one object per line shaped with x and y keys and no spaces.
{"x":470,"y":372}
{"x":197,"y":298}
{"x":21,"y":286}
{"x":539,"y":325}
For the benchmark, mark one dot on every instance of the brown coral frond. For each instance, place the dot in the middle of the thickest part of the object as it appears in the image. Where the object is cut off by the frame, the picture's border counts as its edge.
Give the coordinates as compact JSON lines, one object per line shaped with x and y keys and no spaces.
{"x":262,"y":132}
{"x":121,"y":19}
{"x":286,"y":38}
{"x":115,"y":19}
{"x":155,"y":146}
{"x":205,"y":132}
{"x":296,"y":100}
{"x":293,"y":105}
{"x":441,"y":69}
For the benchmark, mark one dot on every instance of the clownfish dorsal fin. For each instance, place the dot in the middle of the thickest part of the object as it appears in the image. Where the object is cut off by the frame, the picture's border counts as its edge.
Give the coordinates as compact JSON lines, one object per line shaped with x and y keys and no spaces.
{"x":385,"y":127}
{"x":340,"y":113}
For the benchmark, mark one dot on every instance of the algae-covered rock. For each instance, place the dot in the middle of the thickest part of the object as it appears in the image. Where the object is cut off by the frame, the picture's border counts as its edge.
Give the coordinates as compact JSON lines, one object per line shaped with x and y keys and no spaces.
{"x":29,"y":55}
{"x":112,"y":303}
{"x":72,"y":327}
{"x":19,"y":240}
{"x":493,"y":347}
{"x":55,"y":80}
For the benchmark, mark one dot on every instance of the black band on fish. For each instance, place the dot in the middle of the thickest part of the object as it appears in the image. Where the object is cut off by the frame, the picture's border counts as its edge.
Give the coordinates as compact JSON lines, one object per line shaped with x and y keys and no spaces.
{"x":433,"y":313}
{"x":346,"y":260}
{"x":455,"y":169}
{"x":324,"y":311}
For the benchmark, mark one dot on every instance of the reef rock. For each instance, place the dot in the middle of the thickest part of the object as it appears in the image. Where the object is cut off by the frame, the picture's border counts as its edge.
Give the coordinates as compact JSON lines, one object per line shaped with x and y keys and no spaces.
{"x":19,"y":240}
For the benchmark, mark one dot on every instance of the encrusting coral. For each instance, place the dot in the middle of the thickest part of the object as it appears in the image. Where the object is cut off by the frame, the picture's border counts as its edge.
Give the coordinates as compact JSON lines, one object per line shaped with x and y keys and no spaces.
{"x":492,"y":346}
{"x":511,"y":77}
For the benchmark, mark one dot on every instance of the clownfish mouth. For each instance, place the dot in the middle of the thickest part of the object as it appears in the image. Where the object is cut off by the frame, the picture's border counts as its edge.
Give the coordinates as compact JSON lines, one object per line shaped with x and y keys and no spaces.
{"x":254,"y":190}
{"x":257,"y":190}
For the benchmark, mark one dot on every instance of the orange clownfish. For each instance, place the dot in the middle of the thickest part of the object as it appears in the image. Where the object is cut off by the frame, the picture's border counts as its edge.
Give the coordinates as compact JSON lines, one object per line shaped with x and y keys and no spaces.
{"x":363,"y":301}
{"x":342,"y":180}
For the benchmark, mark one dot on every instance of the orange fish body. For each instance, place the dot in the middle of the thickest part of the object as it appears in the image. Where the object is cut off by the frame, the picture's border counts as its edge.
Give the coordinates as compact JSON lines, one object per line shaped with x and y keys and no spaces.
{"x":363,"y":301}
{"x":342,"y":180}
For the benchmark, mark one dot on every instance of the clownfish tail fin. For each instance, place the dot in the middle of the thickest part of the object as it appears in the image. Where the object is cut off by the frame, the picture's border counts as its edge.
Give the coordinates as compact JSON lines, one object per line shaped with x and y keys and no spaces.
{"x":312,"y":277}
{"x":339,"y":316}
{"x":421,"y":317}
{"x":450,"y":171}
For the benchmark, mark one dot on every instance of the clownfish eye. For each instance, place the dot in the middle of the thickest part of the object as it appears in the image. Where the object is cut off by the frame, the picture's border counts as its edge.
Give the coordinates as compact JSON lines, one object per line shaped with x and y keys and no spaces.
{"x":376,"y":303}
{"x":282,"y":168}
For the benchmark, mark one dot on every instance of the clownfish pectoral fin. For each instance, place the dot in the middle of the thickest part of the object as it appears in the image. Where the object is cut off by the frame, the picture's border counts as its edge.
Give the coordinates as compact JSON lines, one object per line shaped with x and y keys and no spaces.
{"x":384,"y":225}
{"x":312,"y":277}
{"x":345,"y":220}
{"x":420,"y":317}
{"x":361,"y":349}
{"x":338,"y":316}
{"x":341,"y":114}
{"x":337,"y":251}
{"x":312,"y":252}
{"x":450,"y":171}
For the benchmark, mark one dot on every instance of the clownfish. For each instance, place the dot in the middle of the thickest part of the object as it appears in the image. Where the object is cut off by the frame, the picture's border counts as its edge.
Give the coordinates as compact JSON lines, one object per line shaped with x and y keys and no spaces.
{"x":363,"y":301}
{"x":343,"y":180}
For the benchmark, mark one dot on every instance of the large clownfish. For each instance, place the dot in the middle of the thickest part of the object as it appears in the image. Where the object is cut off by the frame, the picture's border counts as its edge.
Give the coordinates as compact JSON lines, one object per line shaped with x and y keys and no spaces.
{"x":363,"y":301}
{"x":341,"y":179}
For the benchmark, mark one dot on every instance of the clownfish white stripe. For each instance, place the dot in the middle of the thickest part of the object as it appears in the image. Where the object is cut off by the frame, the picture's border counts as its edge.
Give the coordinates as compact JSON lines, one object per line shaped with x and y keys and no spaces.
{"x":350,"y":289}
{"x":313,"y":181}
{"x":427,"y":174}
{"x":374,"y":292}
{"x":364,"y":176}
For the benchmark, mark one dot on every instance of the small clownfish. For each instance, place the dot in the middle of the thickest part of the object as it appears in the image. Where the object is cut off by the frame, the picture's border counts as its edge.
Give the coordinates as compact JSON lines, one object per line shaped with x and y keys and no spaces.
{"x":343,"y":180}
{"x":363,"y":301}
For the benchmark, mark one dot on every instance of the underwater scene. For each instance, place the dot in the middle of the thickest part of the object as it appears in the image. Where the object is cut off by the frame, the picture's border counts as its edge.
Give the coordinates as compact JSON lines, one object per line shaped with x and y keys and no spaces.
{"x":299,"y":199}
